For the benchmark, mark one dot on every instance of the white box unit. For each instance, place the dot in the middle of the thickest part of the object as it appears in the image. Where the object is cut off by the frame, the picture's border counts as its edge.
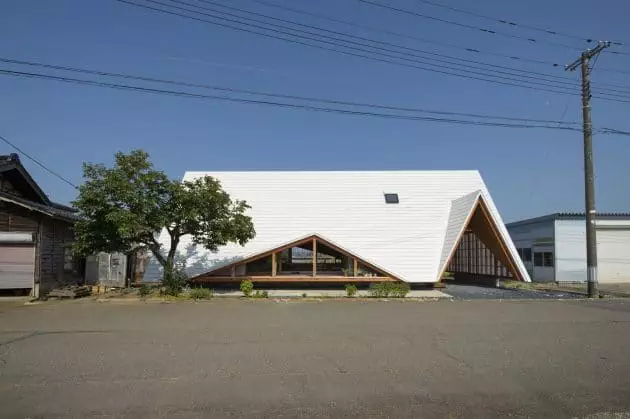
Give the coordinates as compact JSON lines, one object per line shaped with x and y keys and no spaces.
{"x":108,"y":269}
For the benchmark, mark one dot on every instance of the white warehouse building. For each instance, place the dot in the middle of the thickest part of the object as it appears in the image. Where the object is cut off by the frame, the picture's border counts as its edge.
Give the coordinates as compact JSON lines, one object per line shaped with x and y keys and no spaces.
{"x":553,"y":247}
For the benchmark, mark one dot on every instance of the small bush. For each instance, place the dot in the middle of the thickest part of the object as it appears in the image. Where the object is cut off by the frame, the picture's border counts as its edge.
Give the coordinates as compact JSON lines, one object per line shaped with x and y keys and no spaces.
{"x":261,"y":294}
{"x":304,"y":295}
{"x":351,"y":290}
{"x":400,"y":289}
{"x":389,"y":289}
{"x":144,"y":290}
{"x":247,"y":287}
{"x":201,"y":293}
{"x":380,"y":290}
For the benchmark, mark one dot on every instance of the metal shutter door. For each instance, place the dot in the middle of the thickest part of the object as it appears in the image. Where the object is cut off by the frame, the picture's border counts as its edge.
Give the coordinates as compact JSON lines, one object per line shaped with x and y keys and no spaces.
{"x":613,"y":255}
{"x":17,"y":265}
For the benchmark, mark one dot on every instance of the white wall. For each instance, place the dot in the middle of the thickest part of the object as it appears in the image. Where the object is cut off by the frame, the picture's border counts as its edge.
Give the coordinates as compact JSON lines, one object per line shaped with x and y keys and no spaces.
{"x":613,"y":255}
{"x":571,"y":248}
{"x":539,"y":236}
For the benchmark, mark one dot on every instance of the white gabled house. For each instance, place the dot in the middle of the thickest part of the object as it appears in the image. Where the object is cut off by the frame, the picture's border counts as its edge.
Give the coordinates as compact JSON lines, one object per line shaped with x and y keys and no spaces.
{"x":360,"y":226}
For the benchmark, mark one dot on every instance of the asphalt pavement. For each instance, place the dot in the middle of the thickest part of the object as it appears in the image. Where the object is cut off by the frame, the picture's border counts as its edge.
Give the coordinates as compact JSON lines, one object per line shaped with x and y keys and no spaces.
{"x":474,"y":292}
{"x":258,"y":359}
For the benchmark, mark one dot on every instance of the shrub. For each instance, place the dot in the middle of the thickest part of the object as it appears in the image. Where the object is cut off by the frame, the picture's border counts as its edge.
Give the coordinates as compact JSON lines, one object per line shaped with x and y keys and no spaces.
{"x":201,"y":293}
{"x":174,"y":282}
{"x":261,"y":294}
{"x":304,"y":295}
{"x":247,"y":287}
{"x":351,"y":290}
{"x":400,"y":289}
{"x":389,"y":289}
{"x":380,"y":290}
{"x":144,"y":290}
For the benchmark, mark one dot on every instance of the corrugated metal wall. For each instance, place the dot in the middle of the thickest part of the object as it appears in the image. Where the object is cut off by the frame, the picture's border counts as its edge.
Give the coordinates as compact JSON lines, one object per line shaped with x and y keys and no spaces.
{"x":613,"y":250}
{"x":570,"y":250}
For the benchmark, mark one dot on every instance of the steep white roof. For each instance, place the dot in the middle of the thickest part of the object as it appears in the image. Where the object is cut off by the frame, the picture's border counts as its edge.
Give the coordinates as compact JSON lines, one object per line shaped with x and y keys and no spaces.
{"x":411,"y":239}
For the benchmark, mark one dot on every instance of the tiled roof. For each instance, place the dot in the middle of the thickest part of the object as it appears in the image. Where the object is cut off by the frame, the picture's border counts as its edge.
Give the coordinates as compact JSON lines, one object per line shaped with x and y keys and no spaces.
{"x":51,"y":211}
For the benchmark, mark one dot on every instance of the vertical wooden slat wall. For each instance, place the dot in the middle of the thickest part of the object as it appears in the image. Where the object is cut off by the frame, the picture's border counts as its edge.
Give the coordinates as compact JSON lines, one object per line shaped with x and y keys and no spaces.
{"x":474,"y":257}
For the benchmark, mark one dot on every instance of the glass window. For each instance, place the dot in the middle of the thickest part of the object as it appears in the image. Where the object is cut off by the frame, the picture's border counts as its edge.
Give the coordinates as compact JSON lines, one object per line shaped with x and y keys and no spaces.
{"x":391,"y":198}
{"x":527,"y":254}
{"x":548,"y":258}
{"x":538,"y":259}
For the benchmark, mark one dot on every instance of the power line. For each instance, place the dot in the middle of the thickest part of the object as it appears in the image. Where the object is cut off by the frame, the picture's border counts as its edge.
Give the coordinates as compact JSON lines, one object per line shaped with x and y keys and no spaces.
{"x":285,"y":105}
{"x":38,"y":162}
{"x":612,"y":131}
{"x":275,"y":95}
{"x":528,"y":74}
{"x":248,"y":30}
{"x":438,"y":42}
{"x":548,"y":83}
{"x":464,"y":25}
{"x":509,"y":22}
{"x":119,"y":86}
{"x":401,"y":35}
{"x":437,"y":68}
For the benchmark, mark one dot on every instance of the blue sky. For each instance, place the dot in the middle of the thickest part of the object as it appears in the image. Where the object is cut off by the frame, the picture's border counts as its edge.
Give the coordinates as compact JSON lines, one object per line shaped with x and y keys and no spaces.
{"x":528,"y":172}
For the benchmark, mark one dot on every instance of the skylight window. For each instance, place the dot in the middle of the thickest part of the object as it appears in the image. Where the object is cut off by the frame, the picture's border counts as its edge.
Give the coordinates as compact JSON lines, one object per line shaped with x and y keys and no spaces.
{"x":391,"y":198}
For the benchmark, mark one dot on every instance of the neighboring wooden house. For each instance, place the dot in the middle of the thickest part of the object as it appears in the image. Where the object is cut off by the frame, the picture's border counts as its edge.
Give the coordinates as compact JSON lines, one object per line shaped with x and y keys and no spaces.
{"x":35,"y":234}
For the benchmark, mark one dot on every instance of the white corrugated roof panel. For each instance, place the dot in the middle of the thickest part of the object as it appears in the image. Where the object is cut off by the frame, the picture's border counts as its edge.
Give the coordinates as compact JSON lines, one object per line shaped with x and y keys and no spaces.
{"x":349,"y":209}
{"x":461,"y":209}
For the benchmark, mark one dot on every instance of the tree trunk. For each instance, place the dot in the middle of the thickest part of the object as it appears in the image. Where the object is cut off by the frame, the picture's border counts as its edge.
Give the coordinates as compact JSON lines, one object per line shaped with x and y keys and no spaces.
{"x":171,"y":278}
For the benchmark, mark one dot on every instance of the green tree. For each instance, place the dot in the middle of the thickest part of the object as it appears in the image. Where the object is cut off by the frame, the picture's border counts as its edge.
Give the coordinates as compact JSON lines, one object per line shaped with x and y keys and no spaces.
{"x":131,"y":203}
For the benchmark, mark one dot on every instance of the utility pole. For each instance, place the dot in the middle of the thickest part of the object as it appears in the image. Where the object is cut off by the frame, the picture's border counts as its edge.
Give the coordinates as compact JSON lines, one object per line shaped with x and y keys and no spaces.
{"x":589,"y":178}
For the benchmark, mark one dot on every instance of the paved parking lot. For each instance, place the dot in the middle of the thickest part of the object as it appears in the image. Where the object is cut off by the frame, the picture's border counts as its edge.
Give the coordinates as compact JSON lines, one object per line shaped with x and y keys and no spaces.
{"x":237,"y":358}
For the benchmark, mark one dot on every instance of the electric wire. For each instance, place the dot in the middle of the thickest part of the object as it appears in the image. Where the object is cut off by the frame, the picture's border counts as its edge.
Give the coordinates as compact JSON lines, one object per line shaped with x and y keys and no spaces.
{"x":437,"y":68}
{"x":37,"y":162}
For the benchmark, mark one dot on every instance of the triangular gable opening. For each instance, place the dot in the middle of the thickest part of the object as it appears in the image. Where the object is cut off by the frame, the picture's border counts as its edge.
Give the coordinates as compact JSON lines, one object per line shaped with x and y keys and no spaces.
{"x":479,"y":251}
{"x":311,"y":259}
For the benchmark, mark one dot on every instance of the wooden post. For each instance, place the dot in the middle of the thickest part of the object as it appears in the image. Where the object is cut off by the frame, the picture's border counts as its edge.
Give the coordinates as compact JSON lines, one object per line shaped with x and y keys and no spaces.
{"x":314,"y":257}
{"x":469,"y":252}
{"x":273,"y":264}
{"x":355,"y":267}
{"x":233,"y":271}
{"x":280,"y":263}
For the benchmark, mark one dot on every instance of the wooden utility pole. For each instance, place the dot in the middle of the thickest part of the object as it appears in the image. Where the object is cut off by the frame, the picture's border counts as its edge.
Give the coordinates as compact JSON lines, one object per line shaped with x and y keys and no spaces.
{"x":589,"y":177}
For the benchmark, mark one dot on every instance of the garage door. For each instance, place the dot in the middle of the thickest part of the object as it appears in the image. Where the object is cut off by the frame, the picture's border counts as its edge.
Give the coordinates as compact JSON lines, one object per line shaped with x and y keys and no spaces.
{"x":613,"y":255}
{"x":17,"y":260}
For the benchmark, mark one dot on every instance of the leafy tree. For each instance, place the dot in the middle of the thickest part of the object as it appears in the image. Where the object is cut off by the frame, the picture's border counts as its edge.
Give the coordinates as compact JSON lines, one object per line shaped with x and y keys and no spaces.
{"x":131,"y":203}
